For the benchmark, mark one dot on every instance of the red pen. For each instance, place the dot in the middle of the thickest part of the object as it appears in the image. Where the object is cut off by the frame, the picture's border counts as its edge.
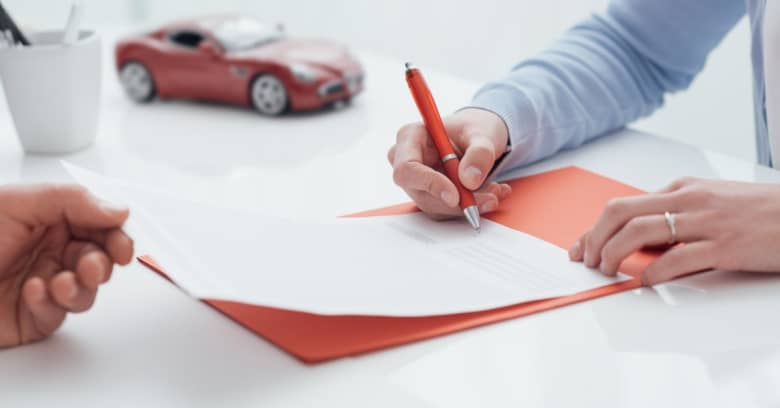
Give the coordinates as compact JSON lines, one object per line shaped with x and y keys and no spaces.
{"x":430,"y":113}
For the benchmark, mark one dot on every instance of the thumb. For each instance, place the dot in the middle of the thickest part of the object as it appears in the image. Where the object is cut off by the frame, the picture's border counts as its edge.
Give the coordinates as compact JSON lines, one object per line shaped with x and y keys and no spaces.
{"x":476,"y":163}
{"x":53,"y":204}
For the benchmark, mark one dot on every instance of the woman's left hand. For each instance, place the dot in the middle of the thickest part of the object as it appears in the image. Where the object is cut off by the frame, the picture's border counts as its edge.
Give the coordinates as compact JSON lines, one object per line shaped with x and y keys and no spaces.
{"x":723,"y":225}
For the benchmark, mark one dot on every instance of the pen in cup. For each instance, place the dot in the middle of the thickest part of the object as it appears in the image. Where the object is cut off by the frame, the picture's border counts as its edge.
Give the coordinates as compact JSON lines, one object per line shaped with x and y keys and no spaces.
{"x":8,"y":40}
{"x":7,"y":24}
{"x":71,"y":32}
{"x":5,"y":40}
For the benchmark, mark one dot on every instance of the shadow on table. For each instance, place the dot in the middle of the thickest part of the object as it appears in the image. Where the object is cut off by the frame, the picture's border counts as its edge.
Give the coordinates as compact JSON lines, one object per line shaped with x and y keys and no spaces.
{"x":209,"y":139}
{"x":725,"y":320}
{"x":180,"y":363}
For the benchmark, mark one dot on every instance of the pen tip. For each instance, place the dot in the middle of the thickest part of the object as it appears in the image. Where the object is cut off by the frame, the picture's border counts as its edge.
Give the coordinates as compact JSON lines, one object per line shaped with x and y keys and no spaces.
{"x":472,"y":215}
{"x":409,"y":66}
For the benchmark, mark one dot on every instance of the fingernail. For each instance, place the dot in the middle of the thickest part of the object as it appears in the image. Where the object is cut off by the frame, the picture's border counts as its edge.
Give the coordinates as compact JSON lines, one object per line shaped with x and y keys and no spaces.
{"x":111,"y":207}
{"x":474,"y":174}
{"x":574,"y":251}
{"x":585,"y":259}
{"x":40,"y":293}
{"x":72,"y":292}
{"x":448,"y":198}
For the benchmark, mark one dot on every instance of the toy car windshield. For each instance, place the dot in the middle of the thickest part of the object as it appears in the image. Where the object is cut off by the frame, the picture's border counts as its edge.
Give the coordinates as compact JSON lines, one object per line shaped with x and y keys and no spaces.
{"x":244,"y":34}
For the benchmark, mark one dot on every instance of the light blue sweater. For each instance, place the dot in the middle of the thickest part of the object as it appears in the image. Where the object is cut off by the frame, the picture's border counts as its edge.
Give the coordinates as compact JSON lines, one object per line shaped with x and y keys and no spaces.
{"x":615,"y":67}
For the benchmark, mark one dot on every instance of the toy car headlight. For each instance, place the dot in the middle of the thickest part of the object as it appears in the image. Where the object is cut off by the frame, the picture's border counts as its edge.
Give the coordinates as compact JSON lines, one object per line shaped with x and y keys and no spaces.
{"x":304,"y":73}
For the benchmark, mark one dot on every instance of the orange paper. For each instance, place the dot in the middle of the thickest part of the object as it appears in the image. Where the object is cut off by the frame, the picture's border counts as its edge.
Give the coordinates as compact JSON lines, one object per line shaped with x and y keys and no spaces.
{"x":556,"y":206}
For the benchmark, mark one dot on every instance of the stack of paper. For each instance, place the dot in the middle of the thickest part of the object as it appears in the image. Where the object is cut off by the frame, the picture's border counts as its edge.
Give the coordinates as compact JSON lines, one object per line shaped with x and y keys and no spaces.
{"x":404,"y":265}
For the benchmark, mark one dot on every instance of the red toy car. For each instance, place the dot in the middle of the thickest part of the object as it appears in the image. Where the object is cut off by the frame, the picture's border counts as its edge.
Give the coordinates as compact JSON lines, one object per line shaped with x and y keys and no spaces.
{"x":239,"y":61}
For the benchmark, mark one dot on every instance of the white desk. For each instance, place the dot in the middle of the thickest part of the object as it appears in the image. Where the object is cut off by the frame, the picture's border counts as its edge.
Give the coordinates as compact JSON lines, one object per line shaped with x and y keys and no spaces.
{"x":713,"y":341}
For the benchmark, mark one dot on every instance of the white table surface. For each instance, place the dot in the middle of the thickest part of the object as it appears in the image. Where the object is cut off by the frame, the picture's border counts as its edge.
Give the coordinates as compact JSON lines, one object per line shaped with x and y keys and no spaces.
{"x":710,"y":340}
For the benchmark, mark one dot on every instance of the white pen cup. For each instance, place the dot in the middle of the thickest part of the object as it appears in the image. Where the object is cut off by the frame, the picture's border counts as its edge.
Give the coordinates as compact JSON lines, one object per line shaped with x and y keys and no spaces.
{"x":53,"y":91}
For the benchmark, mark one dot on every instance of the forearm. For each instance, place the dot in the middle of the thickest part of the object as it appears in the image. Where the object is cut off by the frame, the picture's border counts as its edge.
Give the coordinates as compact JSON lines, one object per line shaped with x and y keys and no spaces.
{"x":604,"y":73}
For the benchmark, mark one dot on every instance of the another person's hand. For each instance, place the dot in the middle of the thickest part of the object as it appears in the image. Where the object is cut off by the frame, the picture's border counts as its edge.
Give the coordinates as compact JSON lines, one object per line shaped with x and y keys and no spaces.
{"x":721,"y":225}
{"x":479,"y":138}
{"x":57,"y":245}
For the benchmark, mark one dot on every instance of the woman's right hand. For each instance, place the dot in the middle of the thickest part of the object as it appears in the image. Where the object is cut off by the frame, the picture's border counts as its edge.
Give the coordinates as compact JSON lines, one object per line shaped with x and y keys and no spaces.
{"x":479,"y":138}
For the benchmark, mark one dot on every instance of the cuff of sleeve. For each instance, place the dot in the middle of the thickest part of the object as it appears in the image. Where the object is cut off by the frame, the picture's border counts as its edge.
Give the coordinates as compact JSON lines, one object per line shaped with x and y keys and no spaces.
{"x":519,"y":116}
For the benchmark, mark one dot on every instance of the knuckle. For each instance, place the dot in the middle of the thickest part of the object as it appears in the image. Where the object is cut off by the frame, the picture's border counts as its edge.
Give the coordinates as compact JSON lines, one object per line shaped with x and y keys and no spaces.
{"x":680,"y":183}
{"x":705,"y":195}
{"x":470,"y":129}
{"x":714,"y":255}
{"x":407,"y":131}
{"x":428,"y":181}
{"x":614,"y":208}
{"x":685,"y":181}
{"x":706,"y":198}
{"x":409,"y":175}
{"x":607,"y":255}
{"x":685,"y":196}
{"x":401,"y":174}
{"x":720,"y":256}
{"x":473,"y":132}
{"x":637,"y":227}
{"x":697,"y":195}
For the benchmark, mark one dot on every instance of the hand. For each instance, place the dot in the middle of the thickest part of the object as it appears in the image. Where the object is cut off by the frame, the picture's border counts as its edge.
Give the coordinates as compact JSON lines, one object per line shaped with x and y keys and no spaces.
{"x":722,"y":225}
{"x":57,"y":245}
{"x":479,"y":138}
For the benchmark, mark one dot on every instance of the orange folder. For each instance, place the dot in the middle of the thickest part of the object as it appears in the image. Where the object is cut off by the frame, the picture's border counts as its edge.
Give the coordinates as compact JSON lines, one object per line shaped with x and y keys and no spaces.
{"x":556,"y":206}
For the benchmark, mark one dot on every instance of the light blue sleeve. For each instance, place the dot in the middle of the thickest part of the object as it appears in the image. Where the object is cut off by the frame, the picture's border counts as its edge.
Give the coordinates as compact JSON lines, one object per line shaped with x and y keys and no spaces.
{"x":609,"y":70}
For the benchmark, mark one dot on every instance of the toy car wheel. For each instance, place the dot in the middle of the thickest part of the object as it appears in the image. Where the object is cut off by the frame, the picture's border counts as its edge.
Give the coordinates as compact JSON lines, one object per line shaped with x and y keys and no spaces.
{"x":269,"y":96}
{"x":137,"y":81}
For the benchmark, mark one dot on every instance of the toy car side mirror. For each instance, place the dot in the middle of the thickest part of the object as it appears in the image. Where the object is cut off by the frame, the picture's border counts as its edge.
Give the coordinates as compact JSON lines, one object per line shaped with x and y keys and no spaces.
{"x":210,"y":49}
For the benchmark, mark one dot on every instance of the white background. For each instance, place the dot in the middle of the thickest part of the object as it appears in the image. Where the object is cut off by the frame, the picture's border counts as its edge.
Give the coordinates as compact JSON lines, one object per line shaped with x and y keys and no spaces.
{"x":710,"y":340}
{"x":477,"y":40}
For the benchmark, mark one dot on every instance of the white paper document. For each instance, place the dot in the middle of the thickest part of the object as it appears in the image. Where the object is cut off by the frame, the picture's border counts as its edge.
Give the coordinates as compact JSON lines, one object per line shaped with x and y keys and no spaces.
{"x":403,"y":265}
